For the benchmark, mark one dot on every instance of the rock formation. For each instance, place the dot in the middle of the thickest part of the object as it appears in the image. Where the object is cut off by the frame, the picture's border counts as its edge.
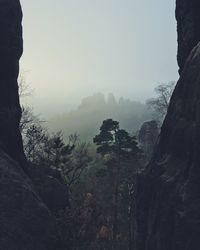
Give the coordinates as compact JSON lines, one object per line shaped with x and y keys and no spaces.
{"x":148,"y":136}
{"x":26,"y":223}
{"x":168,"y":200}
{"x":11,"y":46}
{"x":188,"y":18}
{"x":51,"y":189}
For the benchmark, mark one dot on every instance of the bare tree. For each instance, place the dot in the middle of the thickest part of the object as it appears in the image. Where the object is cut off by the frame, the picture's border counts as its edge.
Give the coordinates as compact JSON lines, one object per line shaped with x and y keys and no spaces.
{"x":78,"y":161}
{"x":51,"y":150}
{"x":28,"y":119}
{"x":25,"y":89}
{"x":160,"y":104}
{"x":35,"y":138}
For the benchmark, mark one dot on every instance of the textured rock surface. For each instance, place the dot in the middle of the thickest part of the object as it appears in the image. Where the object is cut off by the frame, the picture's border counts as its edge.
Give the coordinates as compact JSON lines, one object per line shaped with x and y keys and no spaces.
{"x":188,"y":23}
{"x":11,"y":47}
{"x":168,"y":204}
{"x":52,"y":189}
{"x":148,"y":136}
{"x":25,"y":221}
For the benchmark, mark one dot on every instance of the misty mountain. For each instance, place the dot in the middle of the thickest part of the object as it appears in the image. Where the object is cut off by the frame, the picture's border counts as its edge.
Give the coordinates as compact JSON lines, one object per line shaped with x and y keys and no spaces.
{"x":87,"y":118}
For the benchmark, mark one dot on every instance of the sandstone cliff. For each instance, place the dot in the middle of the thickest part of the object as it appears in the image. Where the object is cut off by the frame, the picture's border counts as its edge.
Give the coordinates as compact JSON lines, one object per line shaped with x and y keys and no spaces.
{"x":11,"y":46}
{"x":26,"y":223}
{"x":188,"y":20}
{"x":168,"y":200}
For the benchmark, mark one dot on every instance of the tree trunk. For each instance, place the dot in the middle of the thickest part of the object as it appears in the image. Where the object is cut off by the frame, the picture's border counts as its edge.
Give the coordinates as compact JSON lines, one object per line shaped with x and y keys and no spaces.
{"x":116,"y":201}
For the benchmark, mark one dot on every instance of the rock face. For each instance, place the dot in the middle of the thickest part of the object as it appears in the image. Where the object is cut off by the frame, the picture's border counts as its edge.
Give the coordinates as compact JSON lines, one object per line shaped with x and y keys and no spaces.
{"x":25,"y":221}
{"x":188,"y":20}
{"x":52,"y":189}
{"x":168,"y":200}
{"x":11,"y":46}
{"x":148,"y":136}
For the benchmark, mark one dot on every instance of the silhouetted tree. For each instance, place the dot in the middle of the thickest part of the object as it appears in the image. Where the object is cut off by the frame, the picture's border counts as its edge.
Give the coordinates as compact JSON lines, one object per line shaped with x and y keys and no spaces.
{"x":118,"y":145}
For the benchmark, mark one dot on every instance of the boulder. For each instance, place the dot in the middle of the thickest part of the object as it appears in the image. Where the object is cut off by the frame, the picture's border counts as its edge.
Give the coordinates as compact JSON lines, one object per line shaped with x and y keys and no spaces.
{"x":26,"y":223}
{"x":50,"y":187}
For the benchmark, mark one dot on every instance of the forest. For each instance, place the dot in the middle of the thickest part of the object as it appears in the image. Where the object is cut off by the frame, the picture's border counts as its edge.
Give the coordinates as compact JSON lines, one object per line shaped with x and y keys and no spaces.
{"x":99,"y":171}
{"x":111,"y":173}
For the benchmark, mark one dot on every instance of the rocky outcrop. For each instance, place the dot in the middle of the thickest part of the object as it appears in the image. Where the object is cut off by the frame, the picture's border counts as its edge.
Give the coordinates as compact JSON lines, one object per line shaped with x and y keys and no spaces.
{"x":147,"y":137}
{"x":188,"y":23}
{"x":168,"y":199}
{"x":50,"y":187}
{"x":25,"y":221}
{"x":11,"y":46}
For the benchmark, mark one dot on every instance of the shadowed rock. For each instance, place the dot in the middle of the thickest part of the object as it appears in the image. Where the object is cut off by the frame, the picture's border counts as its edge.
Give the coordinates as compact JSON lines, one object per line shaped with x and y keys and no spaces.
{"x":11,"y":46}
{"x":188,"y":23}
{"x":168,"y":200}
{"x":168,"y":204}
{"x":50,"y":187}
{"x":26,"y":223}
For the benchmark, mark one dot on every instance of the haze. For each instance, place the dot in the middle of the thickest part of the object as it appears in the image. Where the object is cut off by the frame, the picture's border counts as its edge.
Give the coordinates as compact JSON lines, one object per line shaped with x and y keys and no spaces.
{"x":75,"y":48}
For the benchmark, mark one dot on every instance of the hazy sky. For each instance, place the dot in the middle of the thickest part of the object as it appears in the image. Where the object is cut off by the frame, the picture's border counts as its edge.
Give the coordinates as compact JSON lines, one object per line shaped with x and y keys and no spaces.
{"x":73,"y":48}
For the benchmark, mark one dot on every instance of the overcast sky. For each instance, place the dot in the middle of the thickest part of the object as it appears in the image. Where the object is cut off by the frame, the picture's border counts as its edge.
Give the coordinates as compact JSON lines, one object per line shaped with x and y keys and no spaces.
{"x":74,"y":48}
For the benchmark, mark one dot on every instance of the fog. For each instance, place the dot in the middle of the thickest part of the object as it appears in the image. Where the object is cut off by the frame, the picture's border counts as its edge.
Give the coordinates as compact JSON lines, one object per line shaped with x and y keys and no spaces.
{"x":73,"y":49}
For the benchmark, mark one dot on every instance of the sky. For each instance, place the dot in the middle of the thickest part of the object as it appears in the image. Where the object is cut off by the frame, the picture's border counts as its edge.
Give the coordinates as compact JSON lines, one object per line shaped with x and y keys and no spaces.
{"x":74,"y":48}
